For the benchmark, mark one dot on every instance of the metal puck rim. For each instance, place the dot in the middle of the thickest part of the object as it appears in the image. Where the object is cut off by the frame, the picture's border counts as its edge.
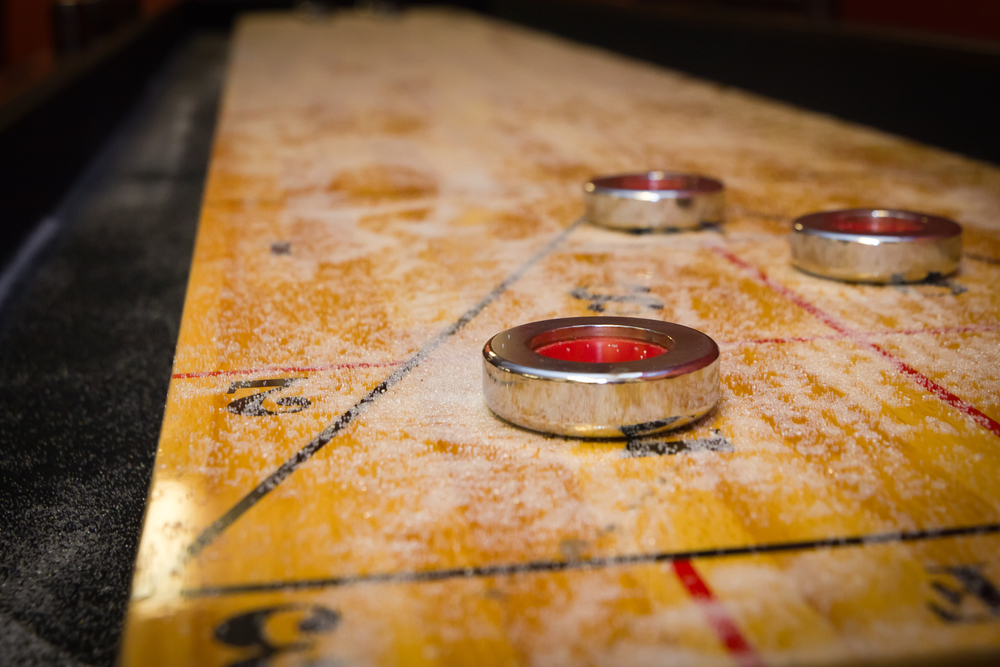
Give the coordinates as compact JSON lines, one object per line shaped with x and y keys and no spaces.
{"x":688,"y":350}
{"x":697,"y":185}
{"x":823,"y":225}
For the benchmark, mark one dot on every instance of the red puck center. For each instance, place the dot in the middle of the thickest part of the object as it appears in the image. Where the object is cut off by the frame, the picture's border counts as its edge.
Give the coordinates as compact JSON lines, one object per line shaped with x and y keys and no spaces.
{"x":658,"y":181}
{"x":640,"y":182}
{"x":601,"y":349}
{"x":863,"y":224}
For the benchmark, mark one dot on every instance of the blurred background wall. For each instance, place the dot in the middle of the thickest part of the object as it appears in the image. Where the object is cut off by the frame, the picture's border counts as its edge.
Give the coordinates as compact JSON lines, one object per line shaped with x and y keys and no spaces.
{"x":924,"y":69}
{"x":978,"y":19}
{"x":975,"y":19}
{"x":34,"y":32}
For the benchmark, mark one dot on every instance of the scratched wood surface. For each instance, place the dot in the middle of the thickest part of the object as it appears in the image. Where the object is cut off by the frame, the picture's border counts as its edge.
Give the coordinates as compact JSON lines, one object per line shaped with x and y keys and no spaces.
{"x":386,"y":194}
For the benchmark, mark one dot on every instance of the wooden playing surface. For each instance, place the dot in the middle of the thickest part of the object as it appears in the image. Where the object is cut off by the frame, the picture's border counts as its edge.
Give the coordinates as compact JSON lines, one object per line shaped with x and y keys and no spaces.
{"x":384,"y":196}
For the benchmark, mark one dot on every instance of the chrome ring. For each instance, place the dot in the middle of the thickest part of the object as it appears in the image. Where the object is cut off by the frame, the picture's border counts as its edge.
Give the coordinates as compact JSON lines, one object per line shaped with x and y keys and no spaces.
{"x":876,"y":245}
{"x":655,"y":200}
{"x":600,"y":399}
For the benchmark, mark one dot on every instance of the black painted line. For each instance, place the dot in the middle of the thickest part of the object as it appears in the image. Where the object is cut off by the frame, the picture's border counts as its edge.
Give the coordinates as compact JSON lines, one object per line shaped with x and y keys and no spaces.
{"x":288,"y":467}
{"x":983,"y":258}
{"x":596,"y":563}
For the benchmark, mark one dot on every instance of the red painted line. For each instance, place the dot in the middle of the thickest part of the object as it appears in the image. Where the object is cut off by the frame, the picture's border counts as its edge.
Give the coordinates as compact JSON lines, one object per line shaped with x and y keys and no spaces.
{"x":976,"y":328}
{"x":785,"y":292}
{"x":940,"y":392}
{"x":890,"y":332}
{"x":778,"y":341}
{"x":720,"y":620}
{"x":928,"y":384}
{"x":283,"y":369}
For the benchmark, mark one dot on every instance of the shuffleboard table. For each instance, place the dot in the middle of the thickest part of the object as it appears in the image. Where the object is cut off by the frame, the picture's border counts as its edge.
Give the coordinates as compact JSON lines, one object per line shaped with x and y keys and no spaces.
{"x":386,"y":194}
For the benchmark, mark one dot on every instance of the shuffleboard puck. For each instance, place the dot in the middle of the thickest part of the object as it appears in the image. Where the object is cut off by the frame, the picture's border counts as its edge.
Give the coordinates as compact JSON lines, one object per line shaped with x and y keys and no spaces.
{"x":876,"y":245}
{"x":655,"y":200}
{"x":600,"y":377}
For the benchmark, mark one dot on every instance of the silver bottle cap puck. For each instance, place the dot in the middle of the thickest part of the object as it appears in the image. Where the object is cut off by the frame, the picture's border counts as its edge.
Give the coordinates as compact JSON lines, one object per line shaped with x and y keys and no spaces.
{"x":600,"y":377}
{"x":876,"y":245}
{"x":655,"y":200}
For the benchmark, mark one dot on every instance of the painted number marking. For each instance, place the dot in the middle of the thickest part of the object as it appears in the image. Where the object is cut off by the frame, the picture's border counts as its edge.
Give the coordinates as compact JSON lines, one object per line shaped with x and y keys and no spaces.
{"x":637,"y":295}
{"x":963,"y":595}
{"x":256,"y":631}
{"x":253,"y":404}
{"x":635,"y":448}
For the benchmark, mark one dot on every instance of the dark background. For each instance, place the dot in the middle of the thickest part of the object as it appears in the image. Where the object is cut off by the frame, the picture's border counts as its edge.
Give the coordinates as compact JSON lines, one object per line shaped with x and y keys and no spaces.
{"x":924,"y":69}
{"x":106,"y":123}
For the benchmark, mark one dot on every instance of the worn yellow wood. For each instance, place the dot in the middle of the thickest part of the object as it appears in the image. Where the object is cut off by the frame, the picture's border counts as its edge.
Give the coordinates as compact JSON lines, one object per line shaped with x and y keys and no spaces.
{"x":375,"y":179}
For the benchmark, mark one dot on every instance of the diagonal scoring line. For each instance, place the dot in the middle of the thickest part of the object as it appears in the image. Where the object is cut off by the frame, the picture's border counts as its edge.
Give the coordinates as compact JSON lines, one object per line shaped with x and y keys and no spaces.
{"x":288,"y":467}
{"x":510,"y":569}
{"x":929,"y":385}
